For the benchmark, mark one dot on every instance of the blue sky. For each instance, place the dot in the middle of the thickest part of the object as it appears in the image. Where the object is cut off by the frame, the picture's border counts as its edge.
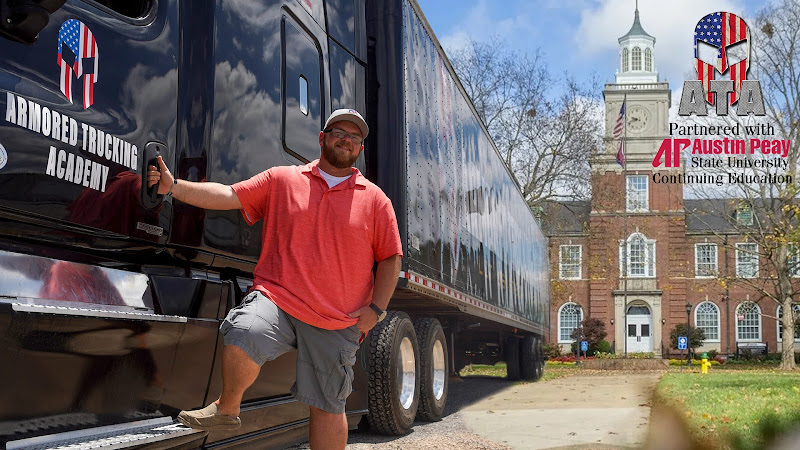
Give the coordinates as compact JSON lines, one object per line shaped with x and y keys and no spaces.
{"x":580,"y":36}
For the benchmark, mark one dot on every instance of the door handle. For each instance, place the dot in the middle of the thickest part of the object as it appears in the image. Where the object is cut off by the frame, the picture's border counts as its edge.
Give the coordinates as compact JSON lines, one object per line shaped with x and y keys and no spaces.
{"x":149,"y":195}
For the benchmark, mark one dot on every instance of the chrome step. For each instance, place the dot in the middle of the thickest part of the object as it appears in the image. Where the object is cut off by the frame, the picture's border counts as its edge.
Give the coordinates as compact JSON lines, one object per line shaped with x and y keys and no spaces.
{"x":125,"y":435}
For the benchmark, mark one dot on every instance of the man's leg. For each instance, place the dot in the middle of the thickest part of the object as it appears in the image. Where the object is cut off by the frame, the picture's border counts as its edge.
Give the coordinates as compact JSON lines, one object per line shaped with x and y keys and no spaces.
{"x":239,"y":372}
{"x":327,"y":430}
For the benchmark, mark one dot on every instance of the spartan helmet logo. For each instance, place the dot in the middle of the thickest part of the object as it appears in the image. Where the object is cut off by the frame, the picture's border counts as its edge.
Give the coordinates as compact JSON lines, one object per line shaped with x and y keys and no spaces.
{"x":722,"y":43}
{"x":77,"y":53}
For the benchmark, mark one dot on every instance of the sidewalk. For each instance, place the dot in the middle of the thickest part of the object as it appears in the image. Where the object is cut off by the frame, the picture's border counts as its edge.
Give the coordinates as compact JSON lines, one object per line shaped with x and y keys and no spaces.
{"x":599,"y":411}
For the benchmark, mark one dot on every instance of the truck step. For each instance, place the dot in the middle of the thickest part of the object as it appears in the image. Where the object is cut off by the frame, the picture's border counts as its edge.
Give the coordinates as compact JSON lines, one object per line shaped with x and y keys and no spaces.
{"x":126,"y":435}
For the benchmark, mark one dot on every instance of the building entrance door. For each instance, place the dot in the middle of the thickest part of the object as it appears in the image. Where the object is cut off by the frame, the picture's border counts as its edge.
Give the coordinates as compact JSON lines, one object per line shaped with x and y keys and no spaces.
{"x":640,"y":326}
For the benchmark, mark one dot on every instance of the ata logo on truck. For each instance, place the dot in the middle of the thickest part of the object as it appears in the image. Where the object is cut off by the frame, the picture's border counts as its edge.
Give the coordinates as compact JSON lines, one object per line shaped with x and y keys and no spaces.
{"x":77,"y":53}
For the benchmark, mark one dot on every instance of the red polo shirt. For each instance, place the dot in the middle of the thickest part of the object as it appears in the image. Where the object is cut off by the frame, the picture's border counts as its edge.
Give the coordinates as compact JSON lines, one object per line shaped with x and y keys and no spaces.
{"x":318,"y":244}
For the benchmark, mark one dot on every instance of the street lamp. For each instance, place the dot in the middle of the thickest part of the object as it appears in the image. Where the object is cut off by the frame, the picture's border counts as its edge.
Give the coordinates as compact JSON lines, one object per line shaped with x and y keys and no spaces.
{"x":688,"y":335}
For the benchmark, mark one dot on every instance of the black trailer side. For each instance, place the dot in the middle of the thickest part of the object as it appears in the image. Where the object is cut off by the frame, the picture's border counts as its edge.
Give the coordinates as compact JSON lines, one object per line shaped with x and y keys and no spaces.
{"x":475,"y":259}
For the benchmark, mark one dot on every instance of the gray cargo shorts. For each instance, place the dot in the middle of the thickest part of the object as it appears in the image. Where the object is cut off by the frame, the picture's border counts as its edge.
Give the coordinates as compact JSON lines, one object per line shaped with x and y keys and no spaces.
{"x":325,"y":358}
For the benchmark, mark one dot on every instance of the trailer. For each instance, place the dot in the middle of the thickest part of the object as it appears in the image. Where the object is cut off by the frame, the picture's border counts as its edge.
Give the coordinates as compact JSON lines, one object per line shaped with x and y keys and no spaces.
{"x":111,"y":296}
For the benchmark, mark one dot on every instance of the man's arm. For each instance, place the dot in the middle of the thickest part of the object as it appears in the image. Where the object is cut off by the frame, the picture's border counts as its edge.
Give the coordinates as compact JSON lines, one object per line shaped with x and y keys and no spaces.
{"x":203,"y":195}
{"x":385,"y":281}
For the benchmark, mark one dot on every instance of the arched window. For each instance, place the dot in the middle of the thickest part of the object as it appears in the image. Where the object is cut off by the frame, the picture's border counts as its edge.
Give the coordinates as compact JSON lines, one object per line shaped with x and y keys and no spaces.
{"x":636,"y":59}
{"x":779,"y":315}
{"x":641,"y":256}
{"x":648,"y":60}
{"x":748,"y":322}
{"x":569,"y":317}
{"x":624,"y":59}
{"x":706,"y":317}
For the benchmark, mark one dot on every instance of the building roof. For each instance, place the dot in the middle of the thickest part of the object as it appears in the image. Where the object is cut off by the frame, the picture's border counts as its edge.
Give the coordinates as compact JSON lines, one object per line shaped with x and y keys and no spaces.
{"x":636,"y":29}
{"x":719,"y":214}
{"x":569,"y":217}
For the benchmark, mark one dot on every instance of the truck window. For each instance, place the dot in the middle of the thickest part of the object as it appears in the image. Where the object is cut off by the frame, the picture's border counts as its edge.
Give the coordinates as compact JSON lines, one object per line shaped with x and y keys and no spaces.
{"x":341,"y":21}
{"x":129,"y":8}
{"x":347,"y":79}
{"x":303,"y":94}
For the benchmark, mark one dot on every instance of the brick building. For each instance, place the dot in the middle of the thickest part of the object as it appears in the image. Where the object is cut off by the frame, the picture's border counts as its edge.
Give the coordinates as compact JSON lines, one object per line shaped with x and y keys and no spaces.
{"x":678,"y":249}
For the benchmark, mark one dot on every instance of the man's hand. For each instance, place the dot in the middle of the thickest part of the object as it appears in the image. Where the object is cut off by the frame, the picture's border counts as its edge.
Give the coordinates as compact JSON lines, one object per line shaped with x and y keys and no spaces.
{"x":160,"y":175}
{"x":367,"y":318}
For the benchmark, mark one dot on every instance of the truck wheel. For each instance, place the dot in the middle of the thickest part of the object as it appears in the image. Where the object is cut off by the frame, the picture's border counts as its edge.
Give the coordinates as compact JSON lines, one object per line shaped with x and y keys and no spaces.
{"x":541,"y":360}
{"x":512,"y":358}
{"x":393,"y":375}
{"x":433,"y":369}
{"x":531,"y":357}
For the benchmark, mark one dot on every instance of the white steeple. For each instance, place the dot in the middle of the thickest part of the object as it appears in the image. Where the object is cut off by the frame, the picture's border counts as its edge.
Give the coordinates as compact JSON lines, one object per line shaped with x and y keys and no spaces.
{"x":637,"y":63}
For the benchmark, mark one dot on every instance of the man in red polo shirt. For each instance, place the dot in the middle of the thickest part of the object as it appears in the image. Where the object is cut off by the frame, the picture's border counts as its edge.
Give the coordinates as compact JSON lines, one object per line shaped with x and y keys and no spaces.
{"x":324,"y":226}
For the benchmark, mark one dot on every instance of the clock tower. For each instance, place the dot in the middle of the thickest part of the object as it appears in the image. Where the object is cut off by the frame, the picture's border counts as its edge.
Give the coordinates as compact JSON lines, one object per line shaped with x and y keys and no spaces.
{"x":647,"y":102}
{"x":634,"y":220}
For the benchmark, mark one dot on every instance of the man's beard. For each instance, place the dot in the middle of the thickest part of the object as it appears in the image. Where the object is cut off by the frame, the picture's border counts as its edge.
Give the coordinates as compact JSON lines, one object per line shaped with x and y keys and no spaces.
{"x":338,"y":159}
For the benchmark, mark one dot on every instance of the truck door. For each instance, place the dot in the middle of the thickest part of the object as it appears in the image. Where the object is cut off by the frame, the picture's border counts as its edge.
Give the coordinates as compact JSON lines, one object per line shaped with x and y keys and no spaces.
{"x":84,"y":108}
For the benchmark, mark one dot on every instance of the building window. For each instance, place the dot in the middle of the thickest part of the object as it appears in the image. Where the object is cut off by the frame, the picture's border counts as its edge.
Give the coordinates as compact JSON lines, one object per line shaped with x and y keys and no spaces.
{"x":636,"y":58}
{"x":641,"y":257}
{"x":706,"y":317}
{"x":624,"y":59}
{"x":569,"y":262}
{"x":748,"y":322}
{"x":569,"y":318}
{"x":705,"y":260}
{"x":793,"y":260}
{"x":779,"y":315}
{"x":648,"y":60}
{"x":747,"y":260}
{"x":637,"y":193}
{"x":744,"y":215}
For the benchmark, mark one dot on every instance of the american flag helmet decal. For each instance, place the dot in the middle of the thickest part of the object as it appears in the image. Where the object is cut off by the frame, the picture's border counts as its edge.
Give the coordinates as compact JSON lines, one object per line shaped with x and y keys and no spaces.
{"x":77,"y":54}
{"x":719,"y":32}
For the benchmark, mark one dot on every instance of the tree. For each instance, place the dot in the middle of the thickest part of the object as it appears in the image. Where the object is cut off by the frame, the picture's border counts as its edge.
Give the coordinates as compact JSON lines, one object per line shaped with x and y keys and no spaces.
{"x":545,"y":130}
{"x":762,"y":211}
{"x":696,"y":336}
{"x":591,"y":330}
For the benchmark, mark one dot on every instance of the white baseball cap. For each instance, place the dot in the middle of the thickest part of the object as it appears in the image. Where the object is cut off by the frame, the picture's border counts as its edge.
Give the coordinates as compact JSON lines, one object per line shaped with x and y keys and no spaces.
{"x":349,"y":115}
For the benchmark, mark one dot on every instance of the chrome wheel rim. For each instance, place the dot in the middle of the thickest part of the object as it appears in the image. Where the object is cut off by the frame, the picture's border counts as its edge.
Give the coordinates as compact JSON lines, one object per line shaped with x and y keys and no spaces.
{"x":409,"y":374}
{"x":438,"y":370}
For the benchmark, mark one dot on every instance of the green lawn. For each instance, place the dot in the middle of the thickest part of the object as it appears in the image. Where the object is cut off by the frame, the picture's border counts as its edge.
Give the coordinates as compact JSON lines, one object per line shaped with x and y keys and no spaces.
{"x":551,"y":372}
{"x":738,"y":409}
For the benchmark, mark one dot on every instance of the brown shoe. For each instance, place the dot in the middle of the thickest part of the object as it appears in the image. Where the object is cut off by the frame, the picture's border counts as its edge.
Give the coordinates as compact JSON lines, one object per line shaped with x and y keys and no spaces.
{"x":209,"y":419}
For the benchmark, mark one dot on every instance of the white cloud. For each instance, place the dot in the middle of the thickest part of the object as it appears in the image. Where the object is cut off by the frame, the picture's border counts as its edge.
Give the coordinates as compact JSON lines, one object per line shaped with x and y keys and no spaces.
{"x":671,"y":23}
{"x":482,"y":22}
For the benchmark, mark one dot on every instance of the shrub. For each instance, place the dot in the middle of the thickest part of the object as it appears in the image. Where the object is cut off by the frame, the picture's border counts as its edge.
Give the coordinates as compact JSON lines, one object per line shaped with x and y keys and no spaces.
{"x":591,"y":330}
{"x":641,"y":355}
{"x":602,"y":347}
{"x":696,"y":336}
{"x":712,"y":354}
{"x":551,"y":351}
{"x":606,"y":355}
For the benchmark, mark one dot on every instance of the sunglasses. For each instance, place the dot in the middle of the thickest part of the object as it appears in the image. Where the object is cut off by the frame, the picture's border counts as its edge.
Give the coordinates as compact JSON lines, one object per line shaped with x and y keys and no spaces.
{"x":341,"y":134}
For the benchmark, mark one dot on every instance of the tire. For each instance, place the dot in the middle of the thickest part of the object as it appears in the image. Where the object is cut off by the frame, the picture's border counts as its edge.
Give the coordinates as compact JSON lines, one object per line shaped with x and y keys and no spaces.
{"x":393,"y":375}
{"x":542,"y":360}
{"x":512,"y":358}
{"x":531,"y":357}
{"x":433,"y":369}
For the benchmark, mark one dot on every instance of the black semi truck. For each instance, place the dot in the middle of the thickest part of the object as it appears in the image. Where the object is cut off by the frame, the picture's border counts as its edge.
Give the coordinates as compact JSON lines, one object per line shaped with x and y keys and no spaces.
{"x":111,"y":296}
